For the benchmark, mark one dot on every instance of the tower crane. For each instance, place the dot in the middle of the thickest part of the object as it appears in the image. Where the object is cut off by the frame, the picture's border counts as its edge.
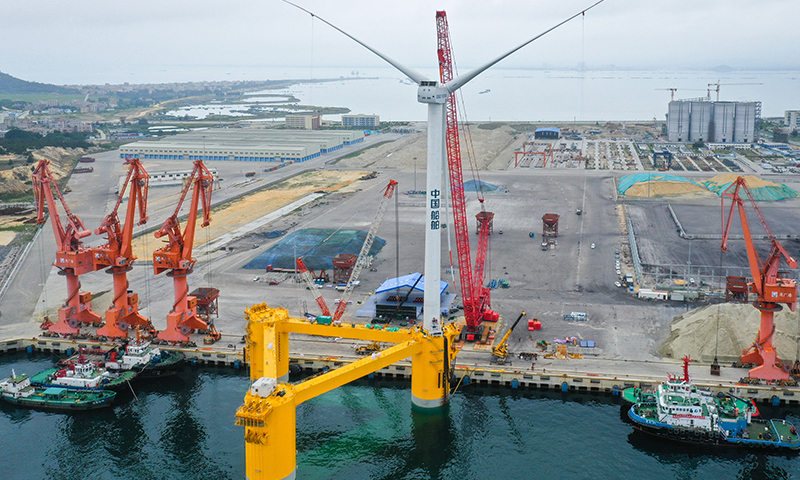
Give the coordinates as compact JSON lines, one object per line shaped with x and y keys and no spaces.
{"x":770,"y":288}
{"x":361,"y":261}
{"x":176,"y":256}
{"x":476,"y":297}
{"x":717,"y":85}
{"x":306,"y":276}
{"x":673,"y":90}
{"x":72,"y":259}
{"x":118,"y":256}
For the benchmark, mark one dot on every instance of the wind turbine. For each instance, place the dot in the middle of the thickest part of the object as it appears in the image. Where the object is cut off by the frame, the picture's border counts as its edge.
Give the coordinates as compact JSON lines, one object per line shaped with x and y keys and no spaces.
{"x":435,"y":95}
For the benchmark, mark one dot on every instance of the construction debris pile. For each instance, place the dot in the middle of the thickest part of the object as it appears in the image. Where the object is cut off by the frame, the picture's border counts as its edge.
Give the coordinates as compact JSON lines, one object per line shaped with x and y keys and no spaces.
{"x":724,"y":330}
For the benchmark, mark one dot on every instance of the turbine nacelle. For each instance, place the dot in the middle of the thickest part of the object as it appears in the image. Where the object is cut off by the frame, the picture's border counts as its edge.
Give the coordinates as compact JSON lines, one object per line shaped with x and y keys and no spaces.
{"x":430,"y":91}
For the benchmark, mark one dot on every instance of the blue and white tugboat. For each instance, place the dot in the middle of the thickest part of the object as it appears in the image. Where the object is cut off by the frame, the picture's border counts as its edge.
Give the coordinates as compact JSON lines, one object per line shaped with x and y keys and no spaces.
{"x":680,"y":411}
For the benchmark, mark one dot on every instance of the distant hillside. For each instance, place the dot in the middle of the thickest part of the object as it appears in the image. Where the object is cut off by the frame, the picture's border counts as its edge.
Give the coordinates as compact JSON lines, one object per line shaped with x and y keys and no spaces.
{"x":13,"y":86}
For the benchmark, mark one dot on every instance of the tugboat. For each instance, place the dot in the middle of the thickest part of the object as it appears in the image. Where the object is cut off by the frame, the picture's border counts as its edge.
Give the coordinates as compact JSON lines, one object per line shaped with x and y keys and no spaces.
{"x":83,"y":375}
{"x":19,"y":391}
{"x":146,"y":359}
{"x":677,"y":410}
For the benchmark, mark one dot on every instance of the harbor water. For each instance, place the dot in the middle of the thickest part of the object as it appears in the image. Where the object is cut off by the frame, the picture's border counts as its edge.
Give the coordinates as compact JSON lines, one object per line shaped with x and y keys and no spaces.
{"x":183,"y":428}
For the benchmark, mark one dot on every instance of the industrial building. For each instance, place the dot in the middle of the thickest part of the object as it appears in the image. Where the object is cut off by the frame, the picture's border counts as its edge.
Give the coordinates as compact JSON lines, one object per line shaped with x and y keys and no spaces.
{"x":790,"y":119}
{"x":254,"y":145}
{"x":373,"y":121}
{"x":303,"y":122}
{"x":549,"y":133}
{"x":700,"y":120}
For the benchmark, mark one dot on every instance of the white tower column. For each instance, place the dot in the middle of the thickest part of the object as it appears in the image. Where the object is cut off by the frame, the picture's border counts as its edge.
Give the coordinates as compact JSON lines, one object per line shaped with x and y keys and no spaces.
{"x":432,"y":318}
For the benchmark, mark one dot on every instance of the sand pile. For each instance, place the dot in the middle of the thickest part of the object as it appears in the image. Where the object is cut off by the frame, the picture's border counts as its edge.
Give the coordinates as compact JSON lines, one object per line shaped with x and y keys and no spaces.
{"x":658,"y":189}
{"x":695,"y":332}
{"x":494,"y":150}
{"x":751,"y":180}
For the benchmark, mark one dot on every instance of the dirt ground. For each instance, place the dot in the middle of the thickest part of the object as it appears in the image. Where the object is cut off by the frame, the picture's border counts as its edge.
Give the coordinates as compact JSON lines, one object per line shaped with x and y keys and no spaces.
{"x":252,"y":207}
{"x":61,"y":162}
{"x":493,"y":148}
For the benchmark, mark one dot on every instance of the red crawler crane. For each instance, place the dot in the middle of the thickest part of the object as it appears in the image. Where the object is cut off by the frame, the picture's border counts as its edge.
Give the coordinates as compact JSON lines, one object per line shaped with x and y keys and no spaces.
{"x":476,"y":297}
{"x":308,"y":278}
{"x":117,"y":254}
{"x":771,"y":289}
{"x":72,"y":259}
{"x":176,"y":256}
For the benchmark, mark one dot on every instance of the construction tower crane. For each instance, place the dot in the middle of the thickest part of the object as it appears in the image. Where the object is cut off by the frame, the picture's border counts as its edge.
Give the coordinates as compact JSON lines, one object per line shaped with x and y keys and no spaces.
{"x":475,"y":296}
{"x":176,"y":256}
{"x":361,"y":261}
{"x":717,"y":85}
{"x":117,"y":254}
{"x":673,"y":90}
{"x":306,"y":276}
{"x":770,"y":288}
{"x":72,"y":259}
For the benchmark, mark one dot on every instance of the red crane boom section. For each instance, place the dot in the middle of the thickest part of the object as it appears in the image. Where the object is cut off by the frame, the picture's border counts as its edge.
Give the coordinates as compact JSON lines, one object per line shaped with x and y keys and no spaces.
{"x":177,"y":254}
{"x":118,"y":251}
{"x":767,"y":284}
{"x":470,"y":285}
{"x":68,"y":238}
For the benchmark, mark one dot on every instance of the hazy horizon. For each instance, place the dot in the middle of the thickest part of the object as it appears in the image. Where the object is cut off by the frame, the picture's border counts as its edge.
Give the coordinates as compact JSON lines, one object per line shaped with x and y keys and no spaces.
{"x":94,"y":42}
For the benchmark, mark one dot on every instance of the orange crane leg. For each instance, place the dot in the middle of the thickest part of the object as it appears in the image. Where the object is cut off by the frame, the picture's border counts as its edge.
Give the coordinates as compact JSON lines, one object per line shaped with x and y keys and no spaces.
{"x":183,"y":319}
{"x":77,"y":310}
{"x":763,"y":354}
{"x":123,"y":314}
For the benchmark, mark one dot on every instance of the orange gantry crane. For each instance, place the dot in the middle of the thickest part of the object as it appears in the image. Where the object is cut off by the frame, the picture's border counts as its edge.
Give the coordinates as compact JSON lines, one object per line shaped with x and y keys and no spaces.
{"x":72,"y":258}
{"x":117,"y":254}
{"x":176,"y":256}
{"x":476,"y":297}
{"x":770,"y":288}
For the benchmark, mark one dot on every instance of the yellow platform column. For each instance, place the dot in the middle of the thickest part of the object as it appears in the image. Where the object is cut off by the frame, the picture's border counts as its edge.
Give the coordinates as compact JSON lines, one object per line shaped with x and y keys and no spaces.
{"x":430,"y":369}
{"x":270,"y":434}
{"x":268,"y":342}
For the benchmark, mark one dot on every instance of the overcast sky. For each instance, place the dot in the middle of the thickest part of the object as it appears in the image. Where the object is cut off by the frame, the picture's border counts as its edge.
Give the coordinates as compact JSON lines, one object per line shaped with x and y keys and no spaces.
{"x":97,"y":41}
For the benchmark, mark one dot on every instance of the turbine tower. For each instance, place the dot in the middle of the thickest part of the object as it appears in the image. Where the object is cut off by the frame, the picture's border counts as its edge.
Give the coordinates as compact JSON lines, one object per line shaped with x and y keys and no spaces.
{"x":435,"y":95}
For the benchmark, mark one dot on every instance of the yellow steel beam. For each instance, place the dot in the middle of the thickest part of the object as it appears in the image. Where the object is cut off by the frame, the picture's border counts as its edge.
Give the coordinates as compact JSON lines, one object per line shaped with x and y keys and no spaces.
{"x":345,"y":374}
{"x":345,"y":330}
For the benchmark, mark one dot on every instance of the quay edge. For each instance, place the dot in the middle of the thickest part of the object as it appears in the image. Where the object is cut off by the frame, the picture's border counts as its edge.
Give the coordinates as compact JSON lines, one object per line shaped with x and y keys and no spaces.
{"x":483,"y":375}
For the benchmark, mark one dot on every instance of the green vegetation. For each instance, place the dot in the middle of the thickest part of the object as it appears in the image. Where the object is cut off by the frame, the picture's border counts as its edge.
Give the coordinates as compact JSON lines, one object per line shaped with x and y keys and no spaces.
{"x":20,"y":141}
{"x":12,"y":85}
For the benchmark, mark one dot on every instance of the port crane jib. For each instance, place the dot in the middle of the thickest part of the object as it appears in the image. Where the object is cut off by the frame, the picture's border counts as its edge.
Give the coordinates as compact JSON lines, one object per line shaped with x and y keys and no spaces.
{"x":117,"y":255}
{"x":770,"y":287}
{"x":176,"y":257}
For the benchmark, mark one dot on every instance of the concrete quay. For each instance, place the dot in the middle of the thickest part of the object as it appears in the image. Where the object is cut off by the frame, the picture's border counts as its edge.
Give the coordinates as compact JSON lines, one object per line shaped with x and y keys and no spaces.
{"x":588,"y":375}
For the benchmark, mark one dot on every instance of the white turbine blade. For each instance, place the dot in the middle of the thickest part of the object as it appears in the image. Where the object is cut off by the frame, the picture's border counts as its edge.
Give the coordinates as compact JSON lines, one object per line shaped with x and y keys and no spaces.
{"x":461,"y":80}
{"x":410,"y":73}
